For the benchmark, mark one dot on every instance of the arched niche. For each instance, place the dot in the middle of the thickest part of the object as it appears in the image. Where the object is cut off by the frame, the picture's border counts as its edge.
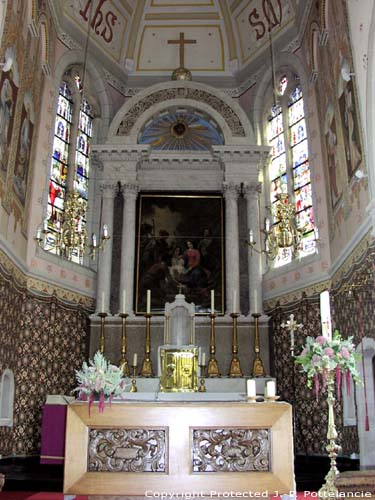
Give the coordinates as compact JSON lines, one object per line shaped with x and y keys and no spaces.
{"x":6,"y":398}
{"x":229,"y":116}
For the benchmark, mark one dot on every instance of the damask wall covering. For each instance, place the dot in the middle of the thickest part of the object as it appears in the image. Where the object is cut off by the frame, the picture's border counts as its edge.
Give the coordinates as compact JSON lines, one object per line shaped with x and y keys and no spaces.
{"x":352,"y":304}
{"x":43,"y":340}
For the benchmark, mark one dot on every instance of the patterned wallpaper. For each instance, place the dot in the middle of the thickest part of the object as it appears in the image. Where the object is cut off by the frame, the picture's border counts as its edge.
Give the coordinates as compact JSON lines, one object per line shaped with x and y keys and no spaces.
{"x":43,"y":340}
{"x":353,"y":296}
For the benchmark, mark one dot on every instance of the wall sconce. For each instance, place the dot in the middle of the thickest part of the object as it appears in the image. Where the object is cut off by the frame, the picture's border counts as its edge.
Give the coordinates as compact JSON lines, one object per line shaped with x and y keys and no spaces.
{"x":71,"y":238}
{"x":283,"y":234}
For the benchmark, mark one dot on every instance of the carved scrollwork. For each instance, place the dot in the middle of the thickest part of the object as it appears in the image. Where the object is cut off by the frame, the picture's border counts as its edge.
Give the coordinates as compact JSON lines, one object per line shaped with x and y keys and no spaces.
{"x":215,"y":102}
{"x":231,"y":450}
{"x":127,"y":450}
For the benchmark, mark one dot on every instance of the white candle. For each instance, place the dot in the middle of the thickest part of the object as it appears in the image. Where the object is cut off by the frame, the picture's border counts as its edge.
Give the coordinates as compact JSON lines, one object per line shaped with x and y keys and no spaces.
{"x":251,"y":236}
{"x":94,"y":240}
{"x":103,"y":302}
{"x":105,"y":231}
{"x":291,"y":318}
{"x":267,"y":224}
{"x":255,"y":308}
{"x":212,"y":301}
{"x":148,"y":306}
{"x":135,"y":359}
{"x":45,"y":225}
{"x":124,"y":301}
{"x":251,"y":388}
{"x":325,"y":314}
{"x":270,"y":389}
{"x":234,"y":301}
{"x":203,"y":361}
{"x":39,"y":234}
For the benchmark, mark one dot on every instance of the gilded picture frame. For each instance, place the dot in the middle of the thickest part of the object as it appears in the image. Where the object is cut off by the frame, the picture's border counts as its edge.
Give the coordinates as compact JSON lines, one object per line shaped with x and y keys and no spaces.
{"x":180,"y":249}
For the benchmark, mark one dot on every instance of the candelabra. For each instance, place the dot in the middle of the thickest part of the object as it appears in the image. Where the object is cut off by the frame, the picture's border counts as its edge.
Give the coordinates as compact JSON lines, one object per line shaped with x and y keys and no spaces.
{"x":147,"y":365}
{"x":69,"y":238}
{"x":123,"y":360}
{"x":102,"y":316}
{"x":258,"y":368}
{"x":213,"y":367}
{"x":235,"y":366}
{"x":134,"y":388}
{"x":329,"y":490}
{"x":202,"y":381}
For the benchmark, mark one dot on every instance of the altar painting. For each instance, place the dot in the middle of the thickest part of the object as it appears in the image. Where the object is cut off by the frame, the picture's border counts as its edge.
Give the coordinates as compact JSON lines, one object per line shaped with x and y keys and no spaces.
{"x":180,"y":250}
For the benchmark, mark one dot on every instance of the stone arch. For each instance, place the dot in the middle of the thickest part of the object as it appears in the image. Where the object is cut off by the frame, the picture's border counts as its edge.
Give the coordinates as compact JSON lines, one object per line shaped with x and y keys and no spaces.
{"x":228,"y":114}
{"x":6,"y":398}
{"x":366,"y":437}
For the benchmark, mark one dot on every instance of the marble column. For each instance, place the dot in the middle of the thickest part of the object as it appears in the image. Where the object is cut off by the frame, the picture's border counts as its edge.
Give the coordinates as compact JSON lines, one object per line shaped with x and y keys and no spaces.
{"x":252,"y":192}
{"x":108,"y":192}
{"x":129,"y":192}
{"x":232,"y":269}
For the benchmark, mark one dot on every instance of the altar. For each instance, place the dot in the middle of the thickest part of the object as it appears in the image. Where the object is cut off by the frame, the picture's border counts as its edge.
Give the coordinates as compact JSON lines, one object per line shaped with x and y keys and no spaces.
{"x":181,"y":448}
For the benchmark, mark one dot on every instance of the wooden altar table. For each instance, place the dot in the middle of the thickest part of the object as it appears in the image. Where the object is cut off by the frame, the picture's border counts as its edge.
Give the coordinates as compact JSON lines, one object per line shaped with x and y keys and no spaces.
{"x":205,"y":448}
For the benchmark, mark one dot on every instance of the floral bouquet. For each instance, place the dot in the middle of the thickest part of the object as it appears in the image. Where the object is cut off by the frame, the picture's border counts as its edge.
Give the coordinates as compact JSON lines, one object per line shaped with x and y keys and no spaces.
{"x":99,"y":379}
{"x":322,"y":355}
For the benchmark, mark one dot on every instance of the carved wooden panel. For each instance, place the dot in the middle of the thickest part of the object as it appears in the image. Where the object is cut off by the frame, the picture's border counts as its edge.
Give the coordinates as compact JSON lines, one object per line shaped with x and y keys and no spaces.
{"x":231,"y":450}
{"x":127,"y":450}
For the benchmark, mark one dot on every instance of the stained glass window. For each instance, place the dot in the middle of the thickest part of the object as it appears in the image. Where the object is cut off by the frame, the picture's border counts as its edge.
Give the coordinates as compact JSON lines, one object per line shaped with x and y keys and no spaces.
{"x":289,"y":171}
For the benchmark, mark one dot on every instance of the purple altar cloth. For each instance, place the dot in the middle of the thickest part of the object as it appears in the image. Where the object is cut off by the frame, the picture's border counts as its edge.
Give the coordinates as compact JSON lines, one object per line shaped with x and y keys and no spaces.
{"x":53,"y":434}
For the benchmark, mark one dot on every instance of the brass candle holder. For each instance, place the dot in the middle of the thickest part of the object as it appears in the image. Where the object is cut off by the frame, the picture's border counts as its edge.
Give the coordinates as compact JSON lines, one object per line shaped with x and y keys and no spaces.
{"x":123,"y":360}
{"x":235,"y":366}
{"x":258,"y":368}
{"x":213,"y":367}
{"x":146,"y":370}
{"x":134,"y":388}
{"x":202,"y":381}
{"x":102,"y":316}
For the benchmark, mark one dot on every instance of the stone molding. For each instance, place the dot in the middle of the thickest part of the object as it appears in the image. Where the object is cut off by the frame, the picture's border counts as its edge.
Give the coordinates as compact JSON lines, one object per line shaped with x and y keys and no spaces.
{"x":231,"y":190}
{"x":242,"y":154}
{"x":119,"y":153}
{"x":108,"y":189}
{"x":252,"y":190}
{"x":130,"y":190}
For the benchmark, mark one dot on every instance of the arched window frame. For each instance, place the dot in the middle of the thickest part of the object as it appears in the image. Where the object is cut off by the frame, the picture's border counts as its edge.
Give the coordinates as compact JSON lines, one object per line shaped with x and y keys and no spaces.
{"x":6,"y":398}
{"x":70,"y":171}
{"x":280,"y":102}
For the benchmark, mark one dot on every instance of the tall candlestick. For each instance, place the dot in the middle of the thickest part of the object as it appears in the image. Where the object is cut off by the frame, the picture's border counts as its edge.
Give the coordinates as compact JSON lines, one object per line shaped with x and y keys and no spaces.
{"x":103,"y":302}
{"x":212,"y":301}
{"x":251,"y":388}
{"x":234,"y":301}
{"x":135,"y":359}
{"x":124,"y":301}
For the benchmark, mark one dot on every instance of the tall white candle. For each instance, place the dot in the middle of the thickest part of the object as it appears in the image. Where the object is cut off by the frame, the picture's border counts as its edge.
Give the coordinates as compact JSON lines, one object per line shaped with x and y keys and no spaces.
{"x":251,"y":236}
{"x":255,"y":308}
{"x":325,"y":314}
{"x":123,"y":302}
{"x":234,"y":301}
{"x":212,"y":301}
{"x":270,"y":389}
{"x":203,"y":361}
{"x":251,"y":388}
{"x":135,"y":359}
{"x":148,"y":306}
{"x":103,"y":302}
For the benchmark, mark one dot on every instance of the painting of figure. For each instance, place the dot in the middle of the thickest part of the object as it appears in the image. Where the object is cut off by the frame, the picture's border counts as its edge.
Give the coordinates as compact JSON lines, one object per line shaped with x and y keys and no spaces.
{"x":180,"y":250}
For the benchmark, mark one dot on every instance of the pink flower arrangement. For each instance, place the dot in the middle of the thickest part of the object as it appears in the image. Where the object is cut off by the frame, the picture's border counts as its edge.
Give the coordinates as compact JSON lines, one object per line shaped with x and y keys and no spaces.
{"x":322,"y":355}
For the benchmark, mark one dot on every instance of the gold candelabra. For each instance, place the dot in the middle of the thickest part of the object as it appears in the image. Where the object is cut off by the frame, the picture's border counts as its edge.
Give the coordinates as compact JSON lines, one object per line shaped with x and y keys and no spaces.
{"x":235,"y":366}
{"x":102,"y":316}
{"x":70,"y":237}
{"x":258,"y":368}
{"x":146,"y":370}
{"x":213,"y":367}
{"x":329,"y":490}
{"x":123,"y":360}
{"x":283,"y":234}
{"x":202,"y":381}
{"x":134,"y":388}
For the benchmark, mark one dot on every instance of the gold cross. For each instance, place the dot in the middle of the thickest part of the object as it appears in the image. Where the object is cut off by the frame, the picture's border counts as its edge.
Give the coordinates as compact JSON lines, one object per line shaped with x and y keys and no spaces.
{"x":181,"y":42}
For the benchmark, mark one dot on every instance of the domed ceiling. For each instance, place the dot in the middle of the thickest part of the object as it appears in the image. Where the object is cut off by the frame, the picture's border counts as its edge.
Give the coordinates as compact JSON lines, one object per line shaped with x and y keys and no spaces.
{"x":138,"y":41}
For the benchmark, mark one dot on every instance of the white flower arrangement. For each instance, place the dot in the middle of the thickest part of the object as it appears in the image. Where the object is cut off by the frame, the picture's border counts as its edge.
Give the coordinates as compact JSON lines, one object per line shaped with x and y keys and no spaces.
{"x":100,"y":379}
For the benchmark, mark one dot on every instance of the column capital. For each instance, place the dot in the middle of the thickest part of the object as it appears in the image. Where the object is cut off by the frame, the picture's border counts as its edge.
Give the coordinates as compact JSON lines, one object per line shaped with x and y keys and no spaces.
{"x":231,"y":190}
{"x":108,"y":189}
{"x":252,"y":189}
{"x":130,"y":190}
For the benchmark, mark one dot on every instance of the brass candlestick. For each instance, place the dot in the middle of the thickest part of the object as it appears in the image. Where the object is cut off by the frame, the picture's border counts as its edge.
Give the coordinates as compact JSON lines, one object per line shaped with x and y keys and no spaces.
{"x":123,"y":360}
{"x":329,"y":490}
{"x":102,"y":316}
{"x":235,"y":366}
{"x":258,"y":368}
{"x":147,"y":365}
{"x":202,"y":381}
{"x":134,"y":388}
{"x":213,"y":367}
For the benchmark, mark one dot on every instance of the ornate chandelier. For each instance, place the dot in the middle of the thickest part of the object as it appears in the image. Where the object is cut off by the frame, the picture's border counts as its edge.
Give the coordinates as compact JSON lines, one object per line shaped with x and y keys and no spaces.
{"x":70,"y":238}
{"x":283,"y":234}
